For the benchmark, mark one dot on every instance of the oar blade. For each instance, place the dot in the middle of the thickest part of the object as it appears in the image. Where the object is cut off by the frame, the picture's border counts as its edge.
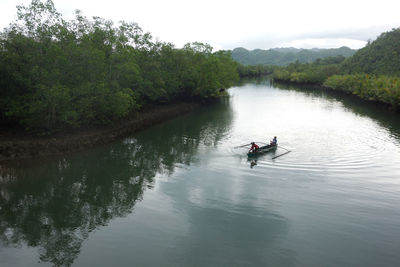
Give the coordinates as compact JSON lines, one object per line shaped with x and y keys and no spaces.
{"x":281,"y":154}
{"x":242,"y":145}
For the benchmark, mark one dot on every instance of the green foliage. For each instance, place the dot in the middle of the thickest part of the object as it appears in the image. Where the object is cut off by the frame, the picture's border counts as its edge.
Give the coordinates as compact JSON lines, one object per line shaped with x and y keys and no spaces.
{"x":381,"y":88}
{"x":57,"y":74}
{"x":254,"y":71}
{"x":372,"y":73}
{"x":381,"y":56}
{"x":310,"y":73}
{"x":285,"y":56}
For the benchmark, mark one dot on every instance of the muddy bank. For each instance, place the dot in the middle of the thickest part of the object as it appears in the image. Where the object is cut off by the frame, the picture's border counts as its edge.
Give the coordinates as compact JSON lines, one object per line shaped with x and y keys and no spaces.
{"x":16,"y":145}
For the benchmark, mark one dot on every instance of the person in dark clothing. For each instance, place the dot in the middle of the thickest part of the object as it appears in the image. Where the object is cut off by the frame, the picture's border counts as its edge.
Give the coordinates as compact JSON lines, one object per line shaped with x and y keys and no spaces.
{"x":274,"y":141}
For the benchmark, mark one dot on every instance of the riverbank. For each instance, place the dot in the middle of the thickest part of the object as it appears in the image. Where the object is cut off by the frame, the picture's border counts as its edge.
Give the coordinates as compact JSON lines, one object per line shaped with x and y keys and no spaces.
{"x":300,"y":84}
{"x":381,"y":90}
{"x":19,"y":145}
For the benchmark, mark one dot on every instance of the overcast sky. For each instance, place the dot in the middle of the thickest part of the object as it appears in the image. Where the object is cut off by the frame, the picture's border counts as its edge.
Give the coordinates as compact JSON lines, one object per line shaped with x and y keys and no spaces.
{"x":226,"y":24}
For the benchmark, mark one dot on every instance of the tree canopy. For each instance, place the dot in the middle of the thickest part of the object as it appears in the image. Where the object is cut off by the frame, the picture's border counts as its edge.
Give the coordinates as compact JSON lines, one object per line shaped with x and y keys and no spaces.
{"x":381,"y":56}
{"x":372,"y":73}
{"x":58,"y":74}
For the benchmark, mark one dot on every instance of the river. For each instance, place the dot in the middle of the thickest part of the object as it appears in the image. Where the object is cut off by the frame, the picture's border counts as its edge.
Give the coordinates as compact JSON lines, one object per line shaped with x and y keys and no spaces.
{"x":181,"y":194}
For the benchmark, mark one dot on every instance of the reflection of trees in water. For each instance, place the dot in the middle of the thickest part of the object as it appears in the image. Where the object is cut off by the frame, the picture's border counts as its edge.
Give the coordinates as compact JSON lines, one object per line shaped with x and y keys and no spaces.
{"x":262,"y":80}
{"x":235,"y":235}
{"x":386,"y":118}
{"x":54,"y":206}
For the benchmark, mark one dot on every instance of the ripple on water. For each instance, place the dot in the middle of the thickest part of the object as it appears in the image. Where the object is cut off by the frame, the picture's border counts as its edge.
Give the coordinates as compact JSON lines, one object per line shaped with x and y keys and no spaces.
{"x":349,"y":160}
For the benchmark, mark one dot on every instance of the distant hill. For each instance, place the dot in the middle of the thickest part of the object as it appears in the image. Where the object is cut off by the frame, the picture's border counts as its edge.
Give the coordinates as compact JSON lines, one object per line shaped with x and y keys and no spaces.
{"x":381,"y":56}
{"x":285,"y":56}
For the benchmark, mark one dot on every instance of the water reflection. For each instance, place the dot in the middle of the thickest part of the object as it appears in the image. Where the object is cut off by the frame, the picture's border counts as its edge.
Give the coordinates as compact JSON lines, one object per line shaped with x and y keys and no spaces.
{"x":54,"y":204}
{"x":383,"y":116}
{"x":232,"y":220}
{"x":221,"y":237}
{"x":218,"y":211}
{"x":263,"y":80}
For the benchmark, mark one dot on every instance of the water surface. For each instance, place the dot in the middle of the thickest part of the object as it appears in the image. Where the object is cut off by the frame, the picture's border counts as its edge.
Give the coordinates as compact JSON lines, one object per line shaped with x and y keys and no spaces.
{"x":180,"y":194}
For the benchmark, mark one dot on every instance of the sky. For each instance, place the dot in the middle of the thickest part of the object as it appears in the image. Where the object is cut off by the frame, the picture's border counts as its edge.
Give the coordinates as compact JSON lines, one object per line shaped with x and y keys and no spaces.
{"x":227,"y":24}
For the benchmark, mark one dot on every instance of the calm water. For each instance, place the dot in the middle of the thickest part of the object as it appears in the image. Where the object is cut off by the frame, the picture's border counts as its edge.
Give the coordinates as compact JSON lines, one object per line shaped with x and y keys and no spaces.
{"x":180,"y":194}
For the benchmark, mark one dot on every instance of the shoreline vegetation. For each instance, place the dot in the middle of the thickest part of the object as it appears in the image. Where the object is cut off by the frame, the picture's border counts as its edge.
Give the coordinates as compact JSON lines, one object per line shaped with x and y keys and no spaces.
{"x":372,"y":73}
{"x":376,"y":88}
{"x":68,"y":85}
{"x":58,"y":75}
{"x":19,"y":145}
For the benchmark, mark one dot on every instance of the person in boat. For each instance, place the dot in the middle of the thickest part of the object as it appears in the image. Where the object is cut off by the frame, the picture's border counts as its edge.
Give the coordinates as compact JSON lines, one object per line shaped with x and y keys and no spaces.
{"x":274,"y":141}
{"x":254,"y":147}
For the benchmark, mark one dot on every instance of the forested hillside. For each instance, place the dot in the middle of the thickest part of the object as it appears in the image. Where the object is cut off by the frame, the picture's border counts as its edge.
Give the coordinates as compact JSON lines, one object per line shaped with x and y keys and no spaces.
{"x":381,"y":56}
{"x":373,"y":73}
{"x":285,"y":56}
{"x":57,"y":74}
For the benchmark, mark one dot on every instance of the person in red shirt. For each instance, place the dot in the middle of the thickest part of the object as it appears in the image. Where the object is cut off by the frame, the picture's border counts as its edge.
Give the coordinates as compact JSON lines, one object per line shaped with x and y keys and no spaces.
{"x":254,"y":147}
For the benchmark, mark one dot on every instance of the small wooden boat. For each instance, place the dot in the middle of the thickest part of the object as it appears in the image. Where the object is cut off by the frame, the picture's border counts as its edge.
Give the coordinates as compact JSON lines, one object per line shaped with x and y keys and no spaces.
{"x":262,"y":150}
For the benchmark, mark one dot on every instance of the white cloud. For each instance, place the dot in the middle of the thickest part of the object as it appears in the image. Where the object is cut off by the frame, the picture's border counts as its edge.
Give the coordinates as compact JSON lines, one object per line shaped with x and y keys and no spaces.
{"x":228,"y":24}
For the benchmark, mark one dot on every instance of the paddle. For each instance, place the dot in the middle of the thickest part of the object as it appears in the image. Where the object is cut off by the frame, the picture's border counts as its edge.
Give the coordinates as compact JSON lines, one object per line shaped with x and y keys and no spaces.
{"x":287,"y":151}
{"x":242,"y":145}
{"x":283,"y":148}
{"x":282,"y":154}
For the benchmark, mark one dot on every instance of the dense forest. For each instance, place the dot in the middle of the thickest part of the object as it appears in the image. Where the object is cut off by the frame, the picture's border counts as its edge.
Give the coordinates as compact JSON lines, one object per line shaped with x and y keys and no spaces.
{"x":57,"y":74}
{"x":254,"y":70}
{"x":381,"y":56}
{"x":316,"y":72}
{"x":372,"y":73}
{"x":285,"y":56}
